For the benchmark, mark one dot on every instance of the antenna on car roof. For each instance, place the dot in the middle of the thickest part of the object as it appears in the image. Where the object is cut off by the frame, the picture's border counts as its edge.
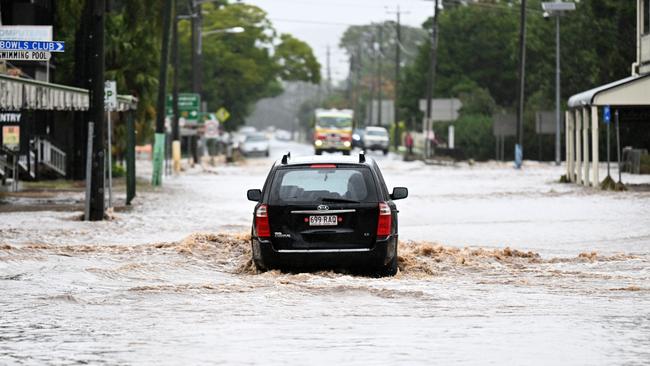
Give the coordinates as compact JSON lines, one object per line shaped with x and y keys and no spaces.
{"x":362,"y":156}
{"x":286,"y":157}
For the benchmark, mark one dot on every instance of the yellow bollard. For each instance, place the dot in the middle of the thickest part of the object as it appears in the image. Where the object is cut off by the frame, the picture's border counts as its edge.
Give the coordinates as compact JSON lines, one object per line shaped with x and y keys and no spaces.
{"x":176,"y":156}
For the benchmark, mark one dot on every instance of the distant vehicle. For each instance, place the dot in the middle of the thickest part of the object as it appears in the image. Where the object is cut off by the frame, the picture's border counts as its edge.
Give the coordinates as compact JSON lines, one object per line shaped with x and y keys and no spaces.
{"x":255,"y":144}
{"x":376,"y":138}
{"x":246,"y":130}
{"x":357,"y":137}
{"x":283,"y":135}
{"x":333,"y":131}
{"x":326,"y":212}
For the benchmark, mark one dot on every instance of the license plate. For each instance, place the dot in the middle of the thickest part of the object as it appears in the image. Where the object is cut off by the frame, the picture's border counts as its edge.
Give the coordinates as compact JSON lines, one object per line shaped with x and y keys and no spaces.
{"x":325,"y":220}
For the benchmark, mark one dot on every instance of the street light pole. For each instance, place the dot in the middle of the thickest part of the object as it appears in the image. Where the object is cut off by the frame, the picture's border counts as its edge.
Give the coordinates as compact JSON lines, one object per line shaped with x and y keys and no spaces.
{"x":557,"y":9}
{"x":428,"y":122}
{"x":519,"y":147}
{"x":557,"y":91}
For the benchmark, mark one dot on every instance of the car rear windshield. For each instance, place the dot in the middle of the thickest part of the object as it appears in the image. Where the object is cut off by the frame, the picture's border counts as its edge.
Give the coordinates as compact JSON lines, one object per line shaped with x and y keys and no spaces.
{"x":376,"y":133}
{"x":316,"y":184}
{"x":255,"y":138}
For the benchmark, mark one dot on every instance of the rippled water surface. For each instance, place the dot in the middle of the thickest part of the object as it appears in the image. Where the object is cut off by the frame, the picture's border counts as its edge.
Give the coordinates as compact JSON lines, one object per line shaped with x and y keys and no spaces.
{"x":171,"y":282}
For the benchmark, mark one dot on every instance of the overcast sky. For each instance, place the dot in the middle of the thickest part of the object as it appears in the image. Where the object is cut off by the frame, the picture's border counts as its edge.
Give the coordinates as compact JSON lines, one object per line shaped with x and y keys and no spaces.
{"x":322,"y":22}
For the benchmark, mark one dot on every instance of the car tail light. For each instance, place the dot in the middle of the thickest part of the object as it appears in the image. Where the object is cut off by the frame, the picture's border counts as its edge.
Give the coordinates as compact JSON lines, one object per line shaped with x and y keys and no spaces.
{"x":346,"y":138}
{"x":320,"y":136}
{"x":385,"y":220}
{"x":262,"y":222}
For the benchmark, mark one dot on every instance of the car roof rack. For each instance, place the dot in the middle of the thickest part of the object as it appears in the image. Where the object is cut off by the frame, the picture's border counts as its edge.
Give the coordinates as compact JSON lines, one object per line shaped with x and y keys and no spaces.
{"x":286,"y":157}
{"x":362,"y":156}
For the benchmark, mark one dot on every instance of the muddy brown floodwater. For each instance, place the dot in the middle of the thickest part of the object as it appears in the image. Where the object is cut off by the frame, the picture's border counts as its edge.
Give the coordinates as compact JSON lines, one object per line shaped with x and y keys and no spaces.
{"x":199,"y":300}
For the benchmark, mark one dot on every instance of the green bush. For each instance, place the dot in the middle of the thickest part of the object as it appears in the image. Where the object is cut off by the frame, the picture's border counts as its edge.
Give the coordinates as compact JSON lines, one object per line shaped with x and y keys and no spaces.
{"x":473,"y":135}
{"x":118,"y":171}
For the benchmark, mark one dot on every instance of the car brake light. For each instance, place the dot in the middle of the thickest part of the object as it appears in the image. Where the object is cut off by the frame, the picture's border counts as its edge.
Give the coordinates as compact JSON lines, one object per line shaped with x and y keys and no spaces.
{"x":346,"y":138}
{"x":321,"y":166}
{"x":385,"y":220}
{"x":262,"y":222}
{"x":320,"y":136}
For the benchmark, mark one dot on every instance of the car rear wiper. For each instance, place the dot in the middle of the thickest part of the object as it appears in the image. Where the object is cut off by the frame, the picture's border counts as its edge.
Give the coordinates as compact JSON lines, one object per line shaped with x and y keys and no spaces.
{"x":342,"y":200}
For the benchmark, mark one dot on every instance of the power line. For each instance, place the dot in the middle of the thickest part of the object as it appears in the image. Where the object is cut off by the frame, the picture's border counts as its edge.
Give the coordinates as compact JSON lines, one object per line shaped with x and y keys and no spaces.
{"x":316,"y":22}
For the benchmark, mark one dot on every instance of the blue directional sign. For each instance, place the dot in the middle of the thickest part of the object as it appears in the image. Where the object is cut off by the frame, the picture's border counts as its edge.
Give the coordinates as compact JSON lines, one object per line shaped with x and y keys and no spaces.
{"x":607,"y":114}
{"x":55,"y":46}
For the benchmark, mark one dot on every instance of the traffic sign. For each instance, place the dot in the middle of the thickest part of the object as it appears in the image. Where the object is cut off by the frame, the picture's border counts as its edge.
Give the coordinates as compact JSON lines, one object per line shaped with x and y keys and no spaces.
{"x":223,"y":114}
{"x":110,"y":95}
{"x":188,"y":107}
{"x":607,"y":114}
{"x":29,"y":45}
{"x":211,"y":129}
{"x":26,"y":32}
{"x":25,"y":55}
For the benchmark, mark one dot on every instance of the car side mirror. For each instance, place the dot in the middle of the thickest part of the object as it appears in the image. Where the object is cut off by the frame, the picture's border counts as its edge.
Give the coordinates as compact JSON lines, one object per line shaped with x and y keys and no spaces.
{"x":254,"y":195}
{"x":399,"y":193}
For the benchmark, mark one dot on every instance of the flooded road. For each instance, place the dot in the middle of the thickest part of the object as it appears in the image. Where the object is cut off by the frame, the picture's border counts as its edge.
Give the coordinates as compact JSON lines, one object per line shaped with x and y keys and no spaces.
{"x":496,"y":267}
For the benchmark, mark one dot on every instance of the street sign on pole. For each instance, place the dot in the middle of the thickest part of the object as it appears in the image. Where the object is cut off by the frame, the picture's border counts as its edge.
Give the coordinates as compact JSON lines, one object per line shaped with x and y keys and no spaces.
{"x":188,"y":107}
{"x":223,"y":114}
{"x":25,"y":55}
{"x":110,"y":95}
{"x":607,"y":114}
{"x":31,"y":45}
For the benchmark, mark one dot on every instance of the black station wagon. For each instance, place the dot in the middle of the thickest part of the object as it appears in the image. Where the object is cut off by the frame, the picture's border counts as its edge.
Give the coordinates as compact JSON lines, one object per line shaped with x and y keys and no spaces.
{"x":331,"y":212}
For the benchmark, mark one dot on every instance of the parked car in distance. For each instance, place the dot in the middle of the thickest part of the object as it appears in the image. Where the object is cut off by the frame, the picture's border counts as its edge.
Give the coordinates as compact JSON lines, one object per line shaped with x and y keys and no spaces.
{"x":255,"y":144}
{"x":326,"y":212}
{"x":283,"y":135}
{"x":376,"y":138}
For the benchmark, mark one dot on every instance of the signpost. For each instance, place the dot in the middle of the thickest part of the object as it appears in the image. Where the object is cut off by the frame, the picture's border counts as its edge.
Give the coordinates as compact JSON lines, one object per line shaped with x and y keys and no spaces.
{"x":188,"y":107}
{"x":607,"y":118}
{"x":25,"y":55}
{"x":35,"y":36}
{"x":29,"y":45}
{"x":110,"y":103}
{"x":503,"y":125}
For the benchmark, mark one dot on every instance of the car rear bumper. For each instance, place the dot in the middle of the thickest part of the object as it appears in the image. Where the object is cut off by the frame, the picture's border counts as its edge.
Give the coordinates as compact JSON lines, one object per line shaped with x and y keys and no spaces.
{"x":359,"y":258}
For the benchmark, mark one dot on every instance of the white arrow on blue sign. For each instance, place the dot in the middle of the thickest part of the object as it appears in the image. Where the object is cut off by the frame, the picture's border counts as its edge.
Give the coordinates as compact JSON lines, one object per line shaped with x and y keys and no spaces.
{"x":55,"y":46}
{"x":607,"y":114}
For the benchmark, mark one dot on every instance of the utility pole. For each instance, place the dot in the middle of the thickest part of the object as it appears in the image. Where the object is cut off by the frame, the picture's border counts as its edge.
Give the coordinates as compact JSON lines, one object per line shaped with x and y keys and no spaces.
{"x":197,"y":51}
{"x":329,"y":72}
{"x":519,"y":147}
{"x":159,"y":145}
{"x":176,"y":144}
{"x":380,"y":57}
{"x":398,"y":61}
{"x":359,"y":81}
{"x":428,"y":122}
{"x":96,"y":112}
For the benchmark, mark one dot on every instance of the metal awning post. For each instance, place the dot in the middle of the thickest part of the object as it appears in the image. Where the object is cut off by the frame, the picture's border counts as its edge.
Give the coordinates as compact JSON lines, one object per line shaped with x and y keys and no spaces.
{"x":578,"y":138}
{"x":569,"y":149}
{"x":594,"y":147}
{"x":585,"y":146}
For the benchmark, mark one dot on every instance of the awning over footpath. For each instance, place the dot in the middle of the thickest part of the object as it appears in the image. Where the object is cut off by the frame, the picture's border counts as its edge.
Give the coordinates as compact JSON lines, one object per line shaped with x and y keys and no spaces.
{"x":582,"y":123}
{"x":25,"y":94}
{"x":631,"y":91}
